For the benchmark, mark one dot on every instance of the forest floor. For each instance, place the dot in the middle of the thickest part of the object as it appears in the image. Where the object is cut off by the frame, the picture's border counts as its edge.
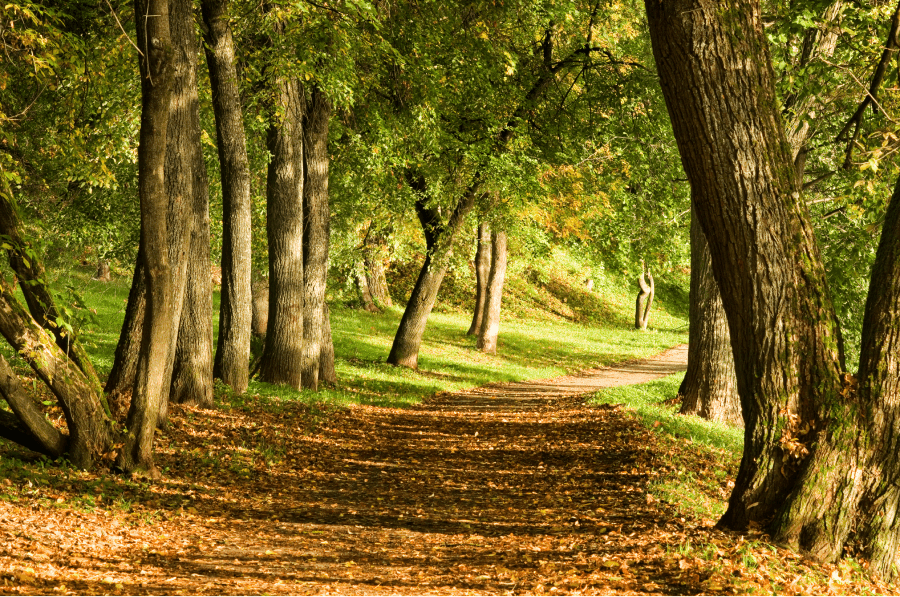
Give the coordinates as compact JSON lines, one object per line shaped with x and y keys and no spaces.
{"x":515,"y":488}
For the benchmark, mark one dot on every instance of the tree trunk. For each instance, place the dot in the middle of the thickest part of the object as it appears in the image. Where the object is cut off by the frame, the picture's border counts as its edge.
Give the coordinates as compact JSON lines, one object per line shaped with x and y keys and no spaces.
{"x":642,"y":310}
{"x":192,"y":373}
{"x":709,"y":389}
{"x":362,"y":288}
{"x":151,"y":386}
{"x":374,"y":253}
{"x":490,"y":320}
{"x":39,"y":434}
{"x":482,"y":271}
{"x":439,"y":237}
{"x":879,"y":396}
{"x":800,"y":474}
{"x":232,"y":360}
{"x":282,"y":355}
{"x":316,"y":214}
{"x":91,"y":433}
{"x":120,"y":382}
{"x":30,"y":272}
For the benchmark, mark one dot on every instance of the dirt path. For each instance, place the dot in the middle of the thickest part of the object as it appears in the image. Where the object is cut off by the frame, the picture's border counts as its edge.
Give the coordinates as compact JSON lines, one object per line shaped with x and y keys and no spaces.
{"x":510,"y":489}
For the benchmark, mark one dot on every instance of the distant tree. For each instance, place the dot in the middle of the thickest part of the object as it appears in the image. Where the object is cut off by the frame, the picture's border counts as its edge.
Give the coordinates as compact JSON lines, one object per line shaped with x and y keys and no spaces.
{"x":482,"y":271}
{"x":490,"y":320}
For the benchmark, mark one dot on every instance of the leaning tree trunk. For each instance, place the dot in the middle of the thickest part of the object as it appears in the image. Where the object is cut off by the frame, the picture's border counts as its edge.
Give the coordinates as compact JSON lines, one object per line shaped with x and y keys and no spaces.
{"x":879,"y":396}
{"x":800,"y":473}
{"x":362,"y":288}
{"x":482,"y":271}
{"x":157,"y":77}
{"x":315,"y":234}
{"x":282,"y":355}
{"x":30,"y":272}
{"x":120,"y":382}
{"x":91,"y":432}
{"x":192,"y":373}
{"x":490,"y":320}
{"x":439,"y":237}
{"x":644,"y":301}
{"x":232,"y":360}
{"x":709,"y":389}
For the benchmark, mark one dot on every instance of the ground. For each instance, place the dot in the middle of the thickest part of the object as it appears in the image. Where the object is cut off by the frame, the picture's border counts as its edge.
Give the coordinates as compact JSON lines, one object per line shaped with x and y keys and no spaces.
{"x":522,"y":488}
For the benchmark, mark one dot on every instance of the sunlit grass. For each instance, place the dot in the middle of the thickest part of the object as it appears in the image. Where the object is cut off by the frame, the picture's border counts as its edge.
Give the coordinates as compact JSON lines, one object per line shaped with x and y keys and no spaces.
{"x":544,"y":344}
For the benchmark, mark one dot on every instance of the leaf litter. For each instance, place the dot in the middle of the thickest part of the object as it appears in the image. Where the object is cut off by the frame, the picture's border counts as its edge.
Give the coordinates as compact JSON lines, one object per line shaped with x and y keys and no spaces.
{"x":509,"y":489}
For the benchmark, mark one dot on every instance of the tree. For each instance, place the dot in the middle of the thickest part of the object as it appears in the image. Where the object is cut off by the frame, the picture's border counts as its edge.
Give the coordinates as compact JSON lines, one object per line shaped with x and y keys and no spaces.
{"x":157,"y":80}
{"x":192,"y":370}
{"x":644,"y":299}
{"x":282,"y":354}
{"x":808,"y":472}
{"x":316,"y":214}
{"x":482,"y":271}
{"x":490,"y":320}
{"x":709,"y":389}
{"x":232,"y":358}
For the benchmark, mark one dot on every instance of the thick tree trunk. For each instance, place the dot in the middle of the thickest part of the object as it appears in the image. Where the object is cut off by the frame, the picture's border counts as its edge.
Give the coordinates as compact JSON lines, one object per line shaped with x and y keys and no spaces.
{"x":91,"y":433}
{"x":800,"y":474}
{"x":490,"y":320}
{"x":232,"y":360}
{"x":157,"y":78}
{"x":644,"y":301}
{"x":316,"y":213}
{"x":879,"y":396}
{"x":192,"y":373}
{"x":482,"y":271}
{"x":282,"y":355}
{"x":439,"y":237}
{"x":709,"y":389}
{"x":374,"y":254}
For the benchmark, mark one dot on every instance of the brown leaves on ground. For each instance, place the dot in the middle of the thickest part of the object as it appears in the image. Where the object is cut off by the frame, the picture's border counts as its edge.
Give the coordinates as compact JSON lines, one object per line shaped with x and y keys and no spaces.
{"x":483,"y":493}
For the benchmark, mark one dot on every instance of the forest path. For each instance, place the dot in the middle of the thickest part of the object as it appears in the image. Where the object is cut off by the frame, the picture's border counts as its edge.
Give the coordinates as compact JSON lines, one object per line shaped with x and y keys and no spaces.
{"x":517,"y":488}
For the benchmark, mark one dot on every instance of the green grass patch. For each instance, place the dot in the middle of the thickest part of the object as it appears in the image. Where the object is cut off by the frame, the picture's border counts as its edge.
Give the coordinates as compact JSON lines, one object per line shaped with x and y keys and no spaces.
{"x":698,"y":458}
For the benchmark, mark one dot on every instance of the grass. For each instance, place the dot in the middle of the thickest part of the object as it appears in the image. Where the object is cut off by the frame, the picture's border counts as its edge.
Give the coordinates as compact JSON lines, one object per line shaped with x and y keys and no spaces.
{"x":551,"y":325}
{"x":699,"y":457}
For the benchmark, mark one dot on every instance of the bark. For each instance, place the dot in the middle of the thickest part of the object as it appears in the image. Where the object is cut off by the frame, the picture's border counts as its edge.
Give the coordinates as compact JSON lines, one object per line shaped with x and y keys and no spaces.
{"x":362,"y":288}
{"x":260,"y":312}
{"x":232,"y":359}
{"x":800,"y":474}
{"x":482,"y":271}
{"x":192,"y":373}
{"x":39,"y":434}
{"x":103,"y":274}
{"x":879,"y":397}
{"x":120,"y":383}
{"x":282,"y":355}
{"x":709,"y":389}
{"x":91,"y":433}
{"x":373,"y":252}
{"x":644,"y":301}
{"x":490,"y":320}
{"x":439,"y":237}
{"x":316,"y":214}
{"x":157,"y":79}
{"x":32,"y":281}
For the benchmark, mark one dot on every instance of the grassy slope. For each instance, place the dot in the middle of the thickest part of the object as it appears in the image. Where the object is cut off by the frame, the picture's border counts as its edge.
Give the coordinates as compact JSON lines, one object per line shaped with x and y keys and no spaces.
{"x":551,"y":325}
